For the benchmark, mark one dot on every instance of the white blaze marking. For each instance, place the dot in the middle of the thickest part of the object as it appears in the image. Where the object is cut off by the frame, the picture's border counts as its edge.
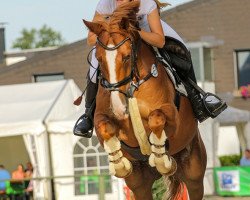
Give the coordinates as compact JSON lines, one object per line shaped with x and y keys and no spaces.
{"x":117,"y":106}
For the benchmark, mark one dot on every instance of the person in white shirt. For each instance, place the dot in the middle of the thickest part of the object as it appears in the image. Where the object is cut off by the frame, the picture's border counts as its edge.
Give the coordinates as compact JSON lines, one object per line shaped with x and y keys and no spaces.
{"x":158,"y":34}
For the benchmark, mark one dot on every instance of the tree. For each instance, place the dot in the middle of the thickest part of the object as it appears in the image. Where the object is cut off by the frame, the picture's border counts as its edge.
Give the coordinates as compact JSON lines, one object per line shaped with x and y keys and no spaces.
{"x":44,"y":37}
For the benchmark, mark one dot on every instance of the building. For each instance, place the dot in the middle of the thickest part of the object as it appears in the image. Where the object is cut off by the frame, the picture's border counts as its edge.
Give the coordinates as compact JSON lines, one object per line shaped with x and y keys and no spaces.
{"x":216,"y":31}
{"x":221,"y":29}
{"x":66,"y":62}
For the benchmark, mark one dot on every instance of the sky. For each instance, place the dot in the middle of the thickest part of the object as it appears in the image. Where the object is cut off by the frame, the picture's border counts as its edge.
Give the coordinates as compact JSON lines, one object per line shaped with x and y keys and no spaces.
{"x":64,"y":16}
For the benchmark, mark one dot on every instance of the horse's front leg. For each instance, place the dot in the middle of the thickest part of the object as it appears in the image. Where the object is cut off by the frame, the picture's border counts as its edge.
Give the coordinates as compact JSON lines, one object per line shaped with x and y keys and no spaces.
{"x":118,"y":164}
{"x":163,"y":123}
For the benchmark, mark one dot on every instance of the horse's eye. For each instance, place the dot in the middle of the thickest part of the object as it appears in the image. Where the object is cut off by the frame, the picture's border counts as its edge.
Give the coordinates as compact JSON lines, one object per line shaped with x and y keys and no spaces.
{"x":125,"y":58}
{"x":107,"y":17}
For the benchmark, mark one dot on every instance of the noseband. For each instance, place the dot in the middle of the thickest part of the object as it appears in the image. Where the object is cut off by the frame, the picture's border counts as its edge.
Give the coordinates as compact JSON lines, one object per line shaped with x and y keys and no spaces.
{"x":134,"y":70}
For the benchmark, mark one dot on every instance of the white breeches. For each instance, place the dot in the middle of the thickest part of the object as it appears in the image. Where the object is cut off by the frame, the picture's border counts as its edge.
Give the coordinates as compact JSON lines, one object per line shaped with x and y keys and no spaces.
{"x":93,"y":68}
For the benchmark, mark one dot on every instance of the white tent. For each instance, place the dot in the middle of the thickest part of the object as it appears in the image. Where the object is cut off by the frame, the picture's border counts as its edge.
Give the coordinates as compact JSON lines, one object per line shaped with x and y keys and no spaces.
{"x":44,"y":115}
{"x":241,"y":120}
{"x":211,"y":132}
{"x":28,"y":110}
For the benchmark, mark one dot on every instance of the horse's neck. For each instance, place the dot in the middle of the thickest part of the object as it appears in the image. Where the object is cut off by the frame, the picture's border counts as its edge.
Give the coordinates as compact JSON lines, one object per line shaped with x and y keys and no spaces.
{"x":146,"y":58}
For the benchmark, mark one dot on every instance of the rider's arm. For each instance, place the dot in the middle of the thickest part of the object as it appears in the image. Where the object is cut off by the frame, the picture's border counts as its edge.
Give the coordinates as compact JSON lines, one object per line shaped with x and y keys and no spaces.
{"x":91,"y":40}
{"x":156,"y":36}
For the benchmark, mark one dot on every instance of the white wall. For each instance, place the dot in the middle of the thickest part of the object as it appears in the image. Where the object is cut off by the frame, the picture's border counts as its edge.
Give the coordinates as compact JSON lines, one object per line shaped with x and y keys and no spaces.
{"x":228,"y":141}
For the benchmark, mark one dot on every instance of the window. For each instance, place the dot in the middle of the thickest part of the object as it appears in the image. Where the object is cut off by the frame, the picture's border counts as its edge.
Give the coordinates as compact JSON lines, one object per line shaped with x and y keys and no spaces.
{"x":195,"y":53}
{"x":208,"y":70}
{"x":90,"y":160}
{"x":48,"y":77}
{"x":202,"y":61}
{"x":243,"y":67}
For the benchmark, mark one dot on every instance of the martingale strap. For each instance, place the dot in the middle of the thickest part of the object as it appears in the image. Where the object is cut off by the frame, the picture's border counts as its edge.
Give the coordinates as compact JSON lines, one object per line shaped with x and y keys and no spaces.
{"x":135,"y":85}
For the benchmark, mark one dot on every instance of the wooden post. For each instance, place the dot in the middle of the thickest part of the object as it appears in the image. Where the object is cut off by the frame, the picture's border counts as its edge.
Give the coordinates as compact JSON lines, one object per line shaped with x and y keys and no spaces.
{"x":101,"y":187}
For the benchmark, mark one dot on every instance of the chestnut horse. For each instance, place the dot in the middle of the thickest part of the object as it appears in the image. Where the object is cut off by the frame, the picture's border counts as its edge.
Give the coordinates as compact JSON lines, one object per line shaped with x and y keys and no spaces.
{"x":135,"y":110}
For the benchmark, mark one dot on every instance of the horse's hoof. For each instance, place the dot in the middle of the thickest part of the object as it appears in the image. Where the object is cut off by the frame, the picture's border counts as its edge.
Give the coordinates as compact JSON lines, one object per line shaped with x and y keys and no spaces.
{"x":173,"y":168}
{"x":123,"y":173}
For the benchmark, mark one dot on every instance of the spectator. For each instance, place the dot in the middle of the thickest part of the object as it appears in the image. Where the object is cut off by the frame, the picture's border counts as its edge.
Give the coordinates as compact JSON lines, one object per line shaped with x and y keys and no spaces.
{"x":28,"y":170}
{"x":245,"y":160}
{"x":29,"y":183}
{"x":19,"y":172}
{"x":4,"y":175}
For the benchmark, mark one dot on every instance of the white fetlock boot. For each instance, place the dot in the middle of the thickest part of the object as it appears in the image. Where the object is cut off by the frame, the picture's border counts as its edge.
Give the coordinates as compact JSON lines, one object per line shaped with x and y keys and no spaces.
{"x":119,"y":166}
{"x":164,"y":164}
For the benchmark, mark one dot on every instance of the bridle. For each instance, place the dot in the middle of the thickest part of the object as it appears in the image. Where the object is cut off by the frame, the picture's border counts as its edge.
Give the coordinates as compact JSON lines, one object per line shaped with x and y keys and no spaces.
{"x":134,"y":73}
{"x":134,"y":70}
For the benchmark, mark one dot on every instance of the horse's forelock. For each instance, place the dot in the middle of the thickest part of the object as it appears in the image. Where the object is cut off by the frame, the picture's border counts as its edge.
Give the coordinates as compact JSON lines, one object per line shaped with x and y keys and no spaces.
{"x":125,"y":16}
{"x":126,"y":10}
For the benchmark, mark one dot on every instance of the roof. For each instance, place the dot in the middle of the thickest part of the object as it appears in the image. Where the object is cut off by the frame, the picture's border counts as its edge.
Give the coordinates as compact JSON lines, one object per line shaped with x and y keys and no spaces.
{"x":186,"y":6}
{"x":233,"y":115}
{"x":44,"y":55}
{"x":28,"y":52}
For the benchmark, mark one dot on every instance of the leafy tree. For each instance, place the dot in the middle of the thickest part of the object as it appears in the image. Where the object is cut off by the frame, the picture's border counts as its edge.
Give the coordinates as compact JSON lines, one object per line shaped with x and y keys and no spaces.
{"x":44,"y":37}
{"x":26,"y":41}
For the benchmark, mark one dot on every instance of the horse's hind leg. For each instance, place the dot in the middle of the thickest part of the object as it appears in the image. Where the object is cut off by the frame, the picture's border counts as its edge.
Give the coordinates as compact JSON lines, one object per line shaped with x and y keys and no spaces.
{"x":194,"y":169}
{"x":118,"y":164}
{"x":141,"y":180}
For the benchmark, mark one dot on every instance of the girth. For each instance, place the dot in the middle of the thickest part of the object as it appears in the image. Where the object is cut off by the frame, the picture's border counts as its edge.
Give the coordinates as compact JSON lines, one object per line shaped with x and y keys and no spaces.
{"x":135,"y":152}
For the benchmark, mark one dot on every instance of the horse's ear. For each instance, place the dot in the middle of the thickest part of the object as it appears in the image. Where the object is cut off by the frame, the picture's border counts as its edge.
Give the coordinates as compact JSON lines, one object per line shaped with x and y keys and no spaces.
{"x":93,"y":27}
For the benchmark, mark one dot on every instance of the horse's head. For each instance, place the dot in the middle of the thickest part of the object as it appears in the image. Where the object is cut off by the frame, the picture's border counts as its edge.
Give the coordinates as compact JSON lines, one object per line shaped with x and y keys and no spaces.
{"x":116,"y":52}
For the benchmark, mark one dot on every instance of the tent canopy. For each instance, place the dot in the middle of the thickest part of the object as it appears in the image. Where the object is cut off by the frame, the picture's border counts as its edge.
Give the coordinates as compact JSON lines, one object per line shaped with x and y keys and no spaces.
{"x":233,"y":115}
{"x":26,"y":108}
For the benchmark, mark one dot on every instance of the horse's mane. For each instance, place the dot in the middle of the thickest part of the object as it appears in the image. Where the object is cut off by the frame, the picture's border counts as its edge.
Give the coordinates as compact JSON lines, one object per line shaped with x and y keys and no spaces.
{"x":124,"y":18}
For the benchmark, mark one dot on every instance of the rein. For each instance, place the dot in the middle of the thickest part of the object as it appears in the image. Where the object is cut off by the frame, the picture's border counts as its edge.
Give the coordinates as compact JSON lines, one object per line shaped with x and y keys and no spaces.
{"x":134,"y":70}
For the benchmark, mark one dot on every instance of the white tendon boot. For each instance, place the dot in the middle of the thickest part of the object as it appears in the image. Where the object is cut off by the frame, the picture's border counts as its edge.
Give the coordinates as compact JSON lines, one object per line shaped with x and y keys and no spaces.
{"x":158,"y":158}
{"x":119,"y":166}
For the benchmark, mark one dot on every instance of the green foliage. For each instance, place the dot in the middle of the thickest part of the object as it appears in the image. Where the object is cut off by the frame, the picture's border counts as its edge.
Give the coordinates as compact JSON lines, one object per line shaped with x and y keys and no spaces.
{"x":26,"y":41}
{"x":44,"y":37}
{"x":231,"y":160}
{"x":158,"y":189}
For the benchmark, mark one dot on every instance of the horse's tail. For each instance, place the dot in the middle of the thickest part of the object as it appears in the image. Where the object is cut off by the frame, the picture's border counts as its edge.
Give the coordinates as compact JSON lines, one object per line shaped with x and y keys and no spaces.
{"x":173,"y":187}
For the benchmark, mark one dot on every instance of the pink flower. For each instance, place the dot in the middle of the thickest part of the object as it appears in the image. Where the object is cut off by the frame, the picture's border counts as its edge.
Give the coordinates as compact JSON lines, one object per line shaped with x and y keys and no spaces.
{"x":245,"y":91}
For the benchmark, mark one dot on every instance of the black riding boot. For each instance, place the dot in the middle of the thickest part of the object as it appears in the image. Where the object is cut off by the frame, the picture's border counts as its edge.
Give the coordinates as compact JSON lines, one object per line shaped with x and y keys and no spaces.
{"x":204,"y":104}
{"x":84,"y":125}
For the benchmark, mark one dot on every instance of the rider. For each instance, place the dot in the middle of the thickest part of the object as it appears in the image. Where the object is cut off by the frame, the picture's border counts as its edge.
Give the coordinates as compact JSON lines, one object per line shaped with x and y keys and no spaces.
{"x":155,"y":32}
